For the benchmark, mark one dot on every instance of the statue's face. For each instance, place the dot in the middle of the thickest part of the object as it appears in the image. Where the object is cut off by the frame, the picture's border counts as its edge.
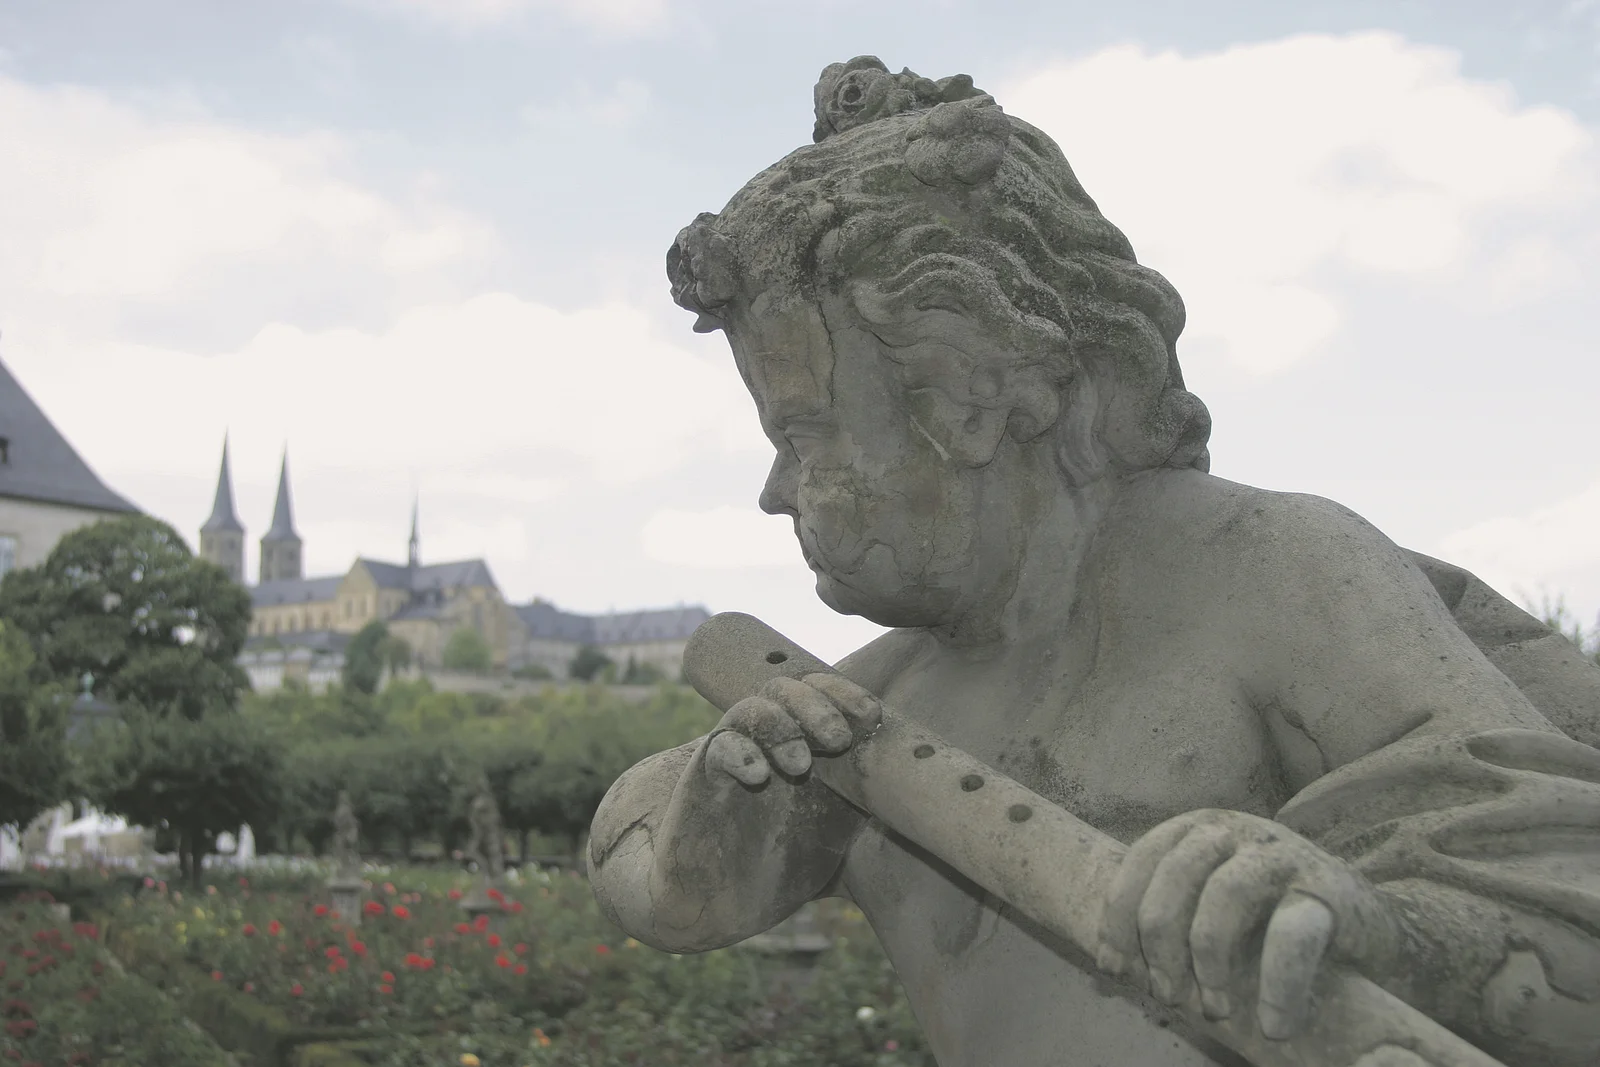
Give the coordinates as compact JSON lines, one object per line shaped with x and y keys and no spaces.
{"x":886,"y":519}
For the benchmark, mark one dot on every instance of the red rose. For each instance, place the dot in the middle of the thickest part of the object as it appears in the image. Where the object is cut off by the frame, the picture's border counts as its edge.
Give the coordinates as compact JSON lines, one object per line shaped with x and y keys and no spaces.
{"x":401,"y":911}
{"x":502,"y":960}
{"x":274,"y":928}
{"x":296,"y":989}
{"x":455,"y":894}
{"x":463,"y":928}
{"x":520,"y":969}
{"x":248,"y":929}
{"x":520,"y":949}
{"x":602,"y":950}
{"x":332,"y":952}
{"x":320,"y":909}
{"x":494,"y":940}
{"x":216,"y":976}
{"x":372,"y":907}
{"x":386,"y":989}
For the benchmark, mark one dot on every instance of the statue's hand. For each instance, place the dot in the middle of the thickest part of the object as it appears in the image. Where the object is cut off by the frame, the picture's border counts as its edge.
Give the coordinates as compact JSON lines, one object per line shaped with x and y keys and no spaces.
{"x":785,"y":722}
{"x":1193,"y":896}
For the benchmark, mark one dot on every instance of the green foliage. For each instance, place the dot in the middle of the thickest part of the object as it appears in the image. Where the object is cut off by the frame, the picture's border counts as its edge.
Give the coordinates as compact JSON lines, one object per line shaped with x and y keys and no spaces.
{"x":68,"y":1005}
{"x":588,"y":664}
{"x":466,"y":650}
{"x":533,"y":672}
{"x":1556,"y":615}
{"x":552,"y":983}
{"x":126,"y":601}
{"x":637,"y":673}
{"x":34,"y":770}
{"x":198,"y":778}
{"x":363,"y":658}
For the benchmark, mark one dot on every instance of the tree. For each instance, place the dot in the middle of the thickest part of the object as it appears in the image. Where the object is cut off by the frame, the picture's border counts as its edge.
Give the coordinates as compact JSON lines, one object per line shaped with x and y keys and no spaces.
{"x":589,"y":662}
{"x":126,"y":601}
{"x":637,"y":673}
{"x":197,"y":778}
{"x":363,"y":658}
{"x":35,"y":773}
{"x":1559,"y":618}
{"x":466,"y":650}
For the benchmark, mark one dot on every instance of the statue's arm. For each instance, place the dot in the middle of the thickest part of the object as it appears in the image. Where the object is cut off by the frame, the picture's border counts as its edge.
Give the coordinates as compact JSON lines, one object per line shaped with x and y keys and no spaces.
{"x":687,"y":861}
{"x":1425,"y":768}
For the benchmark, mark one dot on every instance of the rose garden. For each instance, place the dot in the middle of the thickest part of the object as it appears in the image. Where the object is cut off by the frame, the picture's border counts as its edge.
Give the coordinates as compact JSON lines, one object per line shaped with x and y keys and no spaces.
{"x":182,"y":957}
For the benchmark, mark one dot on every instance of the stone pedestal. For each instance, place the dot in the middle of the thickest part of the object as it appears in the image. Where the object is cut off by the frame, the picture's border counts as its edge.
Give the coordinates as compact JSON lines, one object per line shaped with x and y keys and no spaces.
{"x":346,"y":899}
{"x":795,"y":945}
{"x":478,"y":903}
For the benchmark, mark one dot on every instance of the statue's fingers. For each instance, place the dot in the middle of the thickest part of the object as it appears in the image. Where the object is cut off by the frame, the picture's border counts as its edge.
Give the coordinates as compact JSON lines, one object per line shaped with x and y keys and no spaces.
{"x":1297,"y":940}
{"x":864,"y":710}
{"x":769,"y":724}
{"x":732,"y":753}
{"x":1119,"y":918}
{"x":823,"y":723}
{"x":1167,"y":910}
{"x":1237,"y":901}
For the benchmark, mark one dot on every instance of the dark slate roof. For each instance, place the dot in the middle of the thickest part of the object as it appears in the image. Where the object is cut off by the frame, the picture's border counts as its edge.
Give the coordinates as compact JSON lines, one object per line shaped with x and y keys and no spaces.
{"x":313,"y":640}
{"x":294,"y":591}
{"x":282,"y":513}
{"x":223,"y":518}
{"x":459,"y":575}
{"x":670,"y":624}
{"x":547,"y":622}
{"x":40,"y":464}
{"x":423,"y":610}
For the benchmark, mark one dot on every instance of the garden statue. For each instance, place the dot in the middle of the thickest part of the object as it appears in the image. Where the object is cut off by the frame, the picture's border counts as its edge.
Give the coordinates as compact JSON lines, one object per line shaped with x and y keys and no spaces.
{"x":1153,"y":769}
{"x":487,"y":845}
{"x":345,"y":886}
{"x":346,"y":840}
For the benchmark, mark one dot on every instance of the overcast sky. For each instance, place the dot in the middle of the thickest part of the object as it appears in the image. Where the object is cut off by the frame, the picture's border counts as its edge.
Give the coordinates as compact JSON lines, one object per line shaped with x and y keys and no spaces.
{"x":421,"y":242}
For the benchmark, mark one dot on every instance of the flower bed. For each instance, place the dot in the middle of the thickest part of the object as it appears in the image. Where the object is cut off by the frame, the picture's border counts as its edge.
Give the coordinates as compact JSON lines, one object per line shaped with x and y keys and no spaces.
{"x":63,"y":1002}
{"x":549,"y":981}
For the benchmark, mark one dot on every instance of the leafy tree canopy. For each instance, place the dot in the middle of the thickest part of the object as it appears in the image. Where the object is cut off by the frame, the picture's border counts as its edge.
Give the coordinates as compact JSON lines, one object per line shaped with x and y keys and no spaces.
{"x":35,"y":773}
{"x":588,"y":663}
{"x":126,"y":601}
{"x":466,"y":650}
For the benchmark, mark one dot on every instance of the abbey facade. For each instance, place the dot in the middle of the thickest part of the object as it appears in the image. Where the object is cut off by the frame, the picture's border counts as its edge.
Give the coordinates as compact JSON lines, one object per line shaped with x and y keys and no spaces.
{"x":300,"y":626}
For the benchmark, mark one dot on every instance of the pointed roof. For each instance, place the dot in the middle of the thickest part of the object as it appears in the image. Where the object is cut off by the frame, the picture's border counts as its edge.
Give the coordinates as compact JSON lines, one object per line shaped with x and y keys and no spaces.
{"x":223,"y":518}
{"x":37,"y":463}
{"x":414,"y":546}
{"x":282,"y":512}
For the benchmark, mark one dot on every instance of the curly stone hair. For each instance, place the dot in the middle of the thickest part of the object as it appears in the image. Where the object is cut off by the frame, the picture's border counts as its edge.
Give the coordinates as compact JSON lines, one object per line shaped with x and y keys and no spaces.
{"x":922,"y":194}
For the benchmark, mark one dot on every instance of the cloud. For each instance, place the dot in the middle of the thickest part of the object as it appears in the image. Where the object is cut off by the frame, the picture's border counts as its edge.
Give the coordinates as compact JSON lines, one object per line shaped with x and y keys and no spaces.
{"x":622,"y":105}
{"x":721,"y":538}
{"x":1258,"y":176}
{"x":615,"y":16}
{"x":1550,"y":551}
{"x":116,"y":215}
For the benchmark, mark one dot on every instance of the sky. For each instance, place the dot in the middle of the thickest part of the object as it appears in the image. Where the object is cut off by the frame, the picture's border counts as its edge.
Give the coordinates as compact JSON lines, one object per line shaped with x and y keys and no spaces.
{"x":420,"y":243}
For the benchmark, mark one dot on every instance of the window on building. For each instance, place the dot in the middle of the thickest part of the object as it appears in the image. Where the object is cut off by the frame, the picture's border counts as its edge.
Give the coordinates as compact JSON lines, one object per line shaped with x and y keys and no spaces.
{"x":8,"y":552}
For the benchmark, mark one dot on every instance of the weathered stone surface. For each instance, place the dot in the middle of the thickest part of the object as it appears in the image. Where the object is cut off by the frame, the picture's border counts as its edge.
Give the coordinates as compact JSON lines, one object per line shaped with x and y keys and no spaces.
{"x":984,"y":441}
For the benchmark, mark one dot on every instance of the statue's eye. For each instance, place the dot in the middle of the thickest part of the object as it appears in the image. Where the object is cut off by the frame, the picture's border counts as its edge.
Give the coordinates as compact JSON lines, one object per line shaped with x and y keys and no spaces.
{"x":852,"y":95}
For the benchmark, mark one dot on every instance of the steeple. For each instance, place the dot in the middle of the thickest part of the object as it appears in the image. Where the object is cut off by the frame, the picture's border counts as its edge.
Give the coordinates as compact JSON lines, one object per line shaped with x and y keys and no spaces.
{"x":223,"y":518}
{"x":414,"y":546}
{"x":280,"y":546}
{"x":283,"y":511}
{"x":222,"y":536}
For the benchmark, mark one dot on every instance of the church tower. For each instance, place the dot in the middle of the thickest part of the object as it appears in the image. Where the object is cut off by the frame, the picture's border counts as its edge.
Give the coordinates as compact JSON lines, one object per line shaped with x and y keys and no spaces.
{"x":280,"y":547}
{"x":414,"y":546}
{"x":222,"y":536}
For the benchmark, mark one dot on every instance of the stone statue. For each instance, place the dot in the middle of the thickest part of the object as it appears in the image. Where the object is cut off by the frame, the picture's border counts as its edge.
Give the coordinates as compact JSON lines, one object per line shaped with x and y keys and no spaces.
{"x":984,"y":442}
{"x":487,"y":845}
{"x":346,"y":841}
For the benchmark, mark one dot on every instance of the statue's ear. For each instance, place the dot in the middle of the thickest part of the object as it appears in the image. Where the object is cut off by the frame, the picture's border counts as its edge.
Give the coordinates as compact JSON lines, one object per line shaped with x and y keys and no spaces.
{"x":970,"y":430}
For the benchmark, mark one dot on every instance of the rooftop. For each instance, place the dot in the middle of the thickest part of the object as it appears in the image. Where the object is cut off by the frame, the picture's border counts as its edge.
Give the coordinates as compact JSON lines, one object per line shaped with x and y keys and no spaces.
{"x":37,"y":463}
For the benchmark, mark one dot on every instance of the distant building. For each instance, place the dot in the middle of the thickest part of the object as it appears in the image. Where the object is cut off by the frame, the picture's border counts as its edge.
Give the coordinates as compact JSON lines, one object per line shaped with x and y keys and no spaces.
{"x":300,"y":626}
{"x":46,"y":489}
{"x":552,"y":637}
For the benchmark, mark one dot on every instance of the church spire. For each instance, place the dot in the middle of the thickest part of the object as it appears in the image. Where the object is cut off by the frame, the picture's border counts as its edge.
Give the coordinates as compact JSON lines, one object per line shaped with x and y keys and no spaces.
{"x":280,"y":547}
{"x":222,"y":536}
{"x":282,"y":511}
{"x":414,"y":546}
{"x":223,"y":518}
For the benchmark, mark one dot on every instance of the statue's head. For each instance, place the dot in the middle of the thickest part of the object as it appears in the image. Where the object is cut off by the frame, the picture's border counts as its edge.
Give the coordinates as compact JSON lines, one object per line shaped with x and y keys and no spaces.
{"x":924,"y":295}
